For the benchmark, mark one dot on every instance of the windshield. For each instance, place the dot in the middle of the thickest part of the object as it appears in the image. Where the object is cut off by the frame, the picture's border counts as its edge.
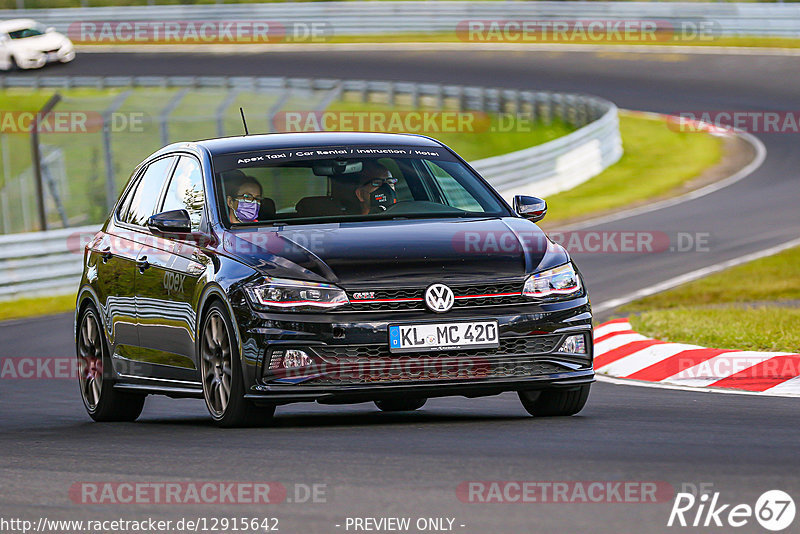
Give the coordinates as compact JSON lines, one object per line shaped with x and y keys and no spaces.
{"x":27,"y":32}
{"x":331,"y":184}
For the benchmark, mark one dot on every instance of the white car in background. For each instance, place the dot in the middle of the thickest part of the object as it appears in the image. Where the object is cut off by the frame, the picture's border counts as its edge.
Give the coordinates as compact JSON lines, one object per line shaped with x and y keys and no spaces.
{"x":26,"y":44}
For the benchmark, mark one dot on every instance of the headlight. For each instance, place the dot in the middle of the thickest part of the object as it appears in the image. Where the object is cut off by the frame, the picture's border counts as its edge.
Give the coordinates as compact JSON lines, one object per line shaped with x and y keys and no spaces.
{"x":560,"y":281}
{"x":293,"y":295}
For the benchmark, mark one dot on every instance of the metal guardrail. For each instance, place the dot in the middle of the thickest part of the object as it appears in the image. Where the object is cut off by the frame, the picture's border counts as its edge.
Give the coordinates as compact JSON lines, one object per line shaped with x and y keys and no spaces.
{"x":364,"y":17}
{"x":40,"y":263}
{"x":50,"y":262}
{"x":558,"y":165}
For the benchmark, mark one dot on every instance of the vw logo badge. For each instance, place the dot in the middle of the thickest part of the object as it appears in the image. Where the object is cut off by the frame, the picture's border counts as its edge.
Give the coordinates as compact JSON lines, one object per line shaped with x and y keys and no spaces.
{"x":439,"y":298}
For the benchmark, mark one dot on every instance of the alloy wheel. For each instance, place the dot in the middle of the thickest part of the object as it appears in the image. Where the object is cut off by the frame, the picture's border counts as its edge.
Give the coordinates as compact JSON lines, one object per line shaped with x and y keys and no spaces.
{"x":90,"y":361}
{"x":216,"y":364}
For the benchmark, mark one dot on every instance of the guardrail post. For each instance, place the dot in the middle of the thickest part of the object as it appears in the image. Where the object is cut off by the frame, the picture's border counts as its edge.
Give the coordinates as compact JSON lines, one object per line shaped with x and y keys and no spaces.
{"x":584,"y":111}
{"x":276,"y":107}
{"x":334,"y":93}
{"x":220,"y":113}
{"x":502,"y":102}
{"x":390,"y":90}
{"x":482,"y":99}
{"x":165,"y":113}
{"x":415,"y":96}
{"x":111,"y":186}
{"x":6,"y":179}
{"x":545,"y":107}
{"x":36,"y":157}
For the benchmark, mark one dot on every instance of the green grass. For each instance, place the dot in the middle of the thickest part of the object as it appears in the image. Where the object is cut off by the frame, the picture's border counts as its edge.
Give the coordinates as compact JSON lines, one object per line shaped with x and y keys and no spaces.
{"x":774,"y":278}
{"x":656,"y":161}
{"x":760,"y":328}
{"x":731,"y":309}
{"x":33,"y":307}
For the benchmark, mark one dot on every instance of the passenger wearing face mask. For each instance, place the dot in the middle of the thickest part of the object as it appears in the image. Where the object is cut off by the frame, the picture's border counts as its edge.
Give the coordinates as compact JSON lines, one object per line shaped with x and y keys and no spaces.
{"x":245,"y":200}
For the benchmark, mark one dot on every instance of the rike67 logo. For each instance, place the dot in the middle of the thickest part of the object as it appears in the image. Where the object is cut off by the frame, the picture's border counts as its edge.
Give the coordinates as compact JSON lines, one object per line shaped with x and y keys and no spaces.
{"x":774,"y":510}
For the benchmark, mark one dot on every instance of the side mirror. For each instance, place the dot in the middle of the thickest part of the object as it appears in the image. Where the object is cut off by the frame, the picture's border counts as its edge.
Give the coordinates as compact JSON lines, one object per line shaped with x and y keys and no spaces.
{"x":171,"y":222}
{"x":532,"y":208}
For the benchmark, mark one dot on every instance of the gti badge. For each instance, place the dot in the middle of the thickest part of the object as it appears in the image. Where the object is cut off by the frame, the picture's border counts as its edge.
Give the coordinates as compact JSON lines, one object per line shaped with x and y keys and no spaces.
{"x":439,"y":298}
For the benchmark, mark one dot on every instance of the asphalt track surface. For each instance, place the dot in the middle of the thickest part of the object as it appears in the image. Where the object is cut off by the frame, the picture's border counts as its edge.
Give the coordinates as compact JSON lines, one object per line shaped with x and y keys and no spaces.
{"x":410,"y":465}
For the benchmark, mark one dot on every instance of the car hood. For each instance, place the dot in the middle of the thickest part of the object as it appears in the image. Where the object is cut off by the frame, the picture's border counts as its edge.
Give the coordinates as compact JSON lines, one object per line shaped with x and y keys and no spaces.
{"x":398,"y":252}
{"x":40,"y":43}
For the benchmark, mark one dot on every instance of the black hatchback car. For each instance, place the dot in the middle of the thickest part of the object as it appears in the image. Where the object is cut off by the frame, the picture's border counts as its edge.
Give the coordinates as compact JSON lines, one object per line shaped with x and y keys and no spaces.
{"x":263,"y":270}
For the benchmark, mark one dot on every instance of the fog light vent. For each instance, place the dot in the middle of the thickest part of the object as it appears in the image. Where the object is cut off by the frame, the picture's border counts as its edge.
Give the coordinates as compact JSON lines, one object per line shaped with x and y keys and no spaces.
{"x":573,"y":345}
{"x":276,"y":360}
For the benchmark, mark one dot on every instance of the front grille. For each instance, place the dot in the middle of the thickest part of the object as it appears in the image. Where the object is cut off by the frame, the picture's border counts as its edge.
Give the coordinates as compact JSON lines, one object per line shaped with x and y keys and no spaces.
{"x":354,"y":354}
{"x":516,"y":357}
{"x":407,"y":299}
{"x":450,"y":369}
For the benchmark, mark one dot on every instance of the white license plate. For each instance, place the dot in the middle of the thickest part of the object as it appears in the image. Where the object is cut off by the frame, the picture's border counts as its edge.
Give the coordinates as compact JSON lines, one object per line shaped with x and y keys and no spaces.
{"x":441,"y":336}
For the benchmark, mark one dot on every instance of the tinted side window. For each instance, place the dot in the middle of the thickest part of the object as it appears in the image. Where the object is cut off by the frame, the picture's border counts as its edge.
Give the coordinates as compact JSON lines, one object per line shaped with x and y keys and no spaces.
{"x":185,"y":190}
{"x":143,"y":202}
{"x":125,"y":205}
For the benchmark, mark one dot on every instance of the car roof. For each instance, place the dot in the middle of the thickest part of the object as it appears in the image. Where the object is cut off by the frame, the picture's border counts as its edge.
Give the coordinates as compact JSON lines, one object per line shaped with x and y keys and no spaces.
{"x":247,"y":143}
{"x":16,"y":24}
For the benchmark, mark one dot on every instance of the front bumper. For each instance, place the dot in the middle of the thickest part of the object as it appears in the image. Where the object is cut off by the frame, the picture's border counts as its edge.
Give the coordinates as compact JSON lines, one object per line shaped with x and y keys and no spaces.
{"x":352,"y":362}
{"x":40,"y":59}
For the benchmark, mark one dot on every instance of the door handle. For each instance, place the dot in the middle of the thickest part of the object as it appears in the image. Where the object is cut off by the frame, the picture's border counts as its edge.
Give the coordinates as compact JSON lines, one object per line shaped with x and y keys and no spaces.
{"x":142,"y":264}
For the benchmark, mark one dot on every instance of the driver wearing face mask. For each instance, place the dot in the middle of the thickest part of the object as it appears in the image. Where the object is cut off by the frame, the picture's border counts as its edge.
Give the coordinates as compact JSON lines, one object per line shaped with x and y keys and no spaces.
{"x":375,"y":190}
{"x":245,"y":200}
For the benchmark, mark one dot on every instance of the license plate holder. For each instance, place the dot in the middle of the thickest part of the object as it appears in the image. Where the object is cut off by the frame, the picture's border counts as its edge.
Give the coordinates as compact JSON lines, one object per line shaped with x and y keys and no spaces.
{"x":431,"y":337}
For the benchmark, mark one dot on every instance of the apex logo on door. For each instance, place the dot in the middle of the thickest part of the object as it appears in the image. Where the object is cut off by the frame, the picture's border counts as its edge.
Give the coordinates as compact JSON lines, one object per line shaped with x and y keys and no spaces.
{"x":173,"y":282}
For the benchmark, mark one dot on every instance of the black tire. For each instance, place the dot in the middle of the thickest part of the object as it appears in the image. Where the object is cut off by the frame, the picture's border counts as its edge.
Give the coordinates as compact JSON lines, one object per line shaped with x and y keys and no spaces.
{"x":103,"y":403}
{"x":221,"y":373}
{"x":555,"y":402}
{"x":400,"y":405}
